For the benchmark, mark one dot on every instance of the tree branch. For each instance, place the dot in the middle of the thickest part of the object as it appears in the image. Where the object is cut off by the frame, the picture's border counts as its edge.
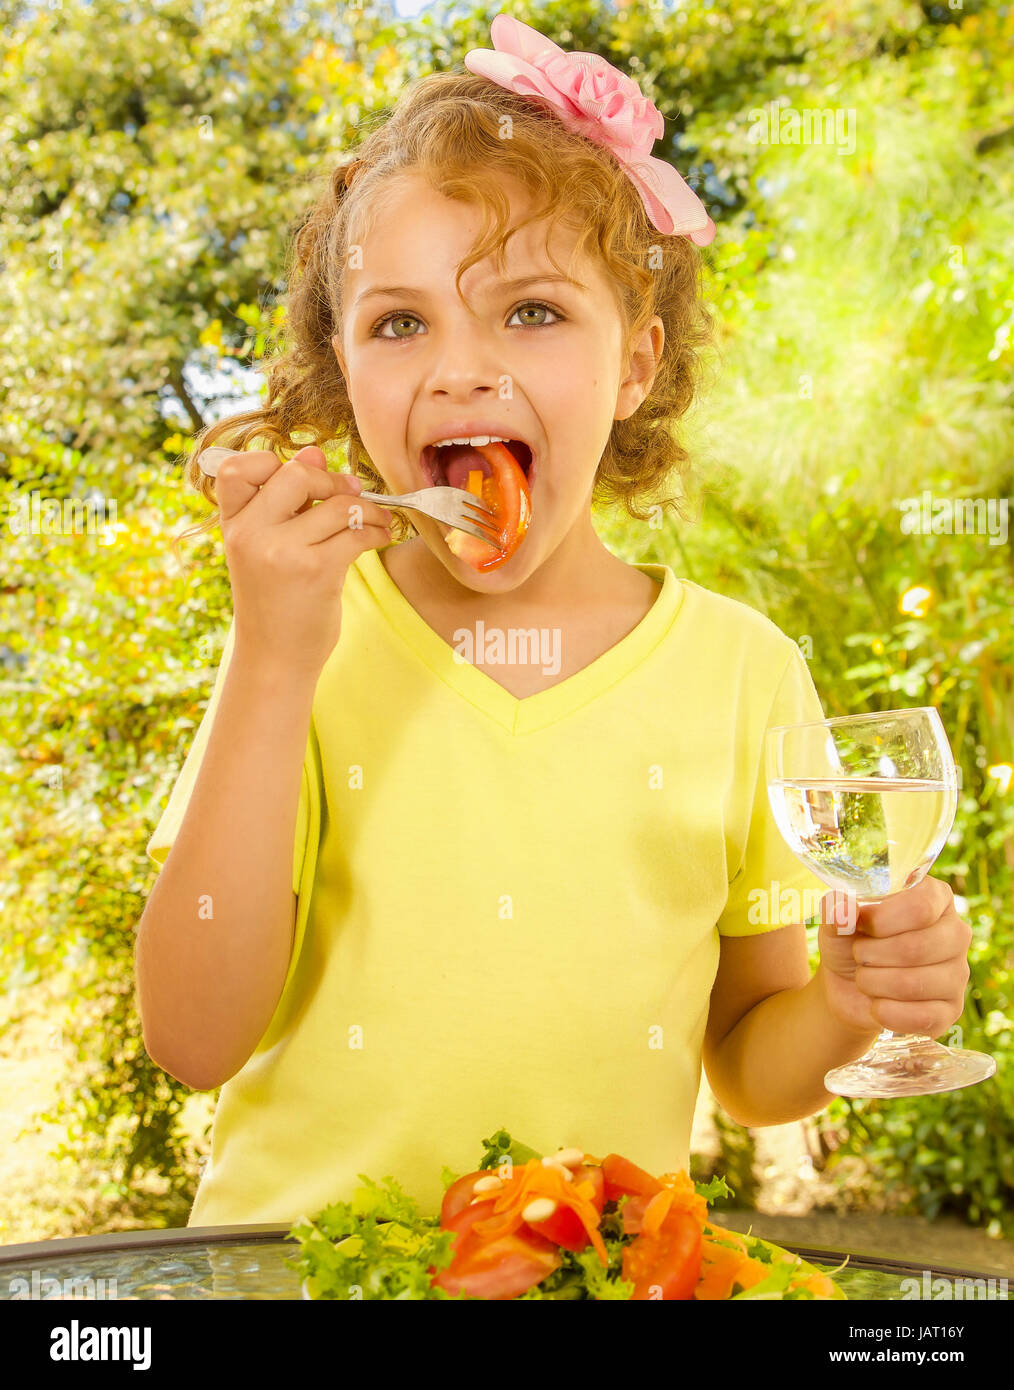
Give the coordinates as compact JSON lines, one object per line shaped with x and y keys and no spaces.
{"x":180,"y":387}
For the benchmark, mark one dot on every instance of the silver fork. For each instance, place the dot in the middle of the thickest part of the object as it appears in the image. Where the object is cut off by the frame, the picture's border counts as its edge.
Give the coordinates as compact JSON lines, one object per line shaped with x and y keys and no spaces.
{"x":451,"y":505}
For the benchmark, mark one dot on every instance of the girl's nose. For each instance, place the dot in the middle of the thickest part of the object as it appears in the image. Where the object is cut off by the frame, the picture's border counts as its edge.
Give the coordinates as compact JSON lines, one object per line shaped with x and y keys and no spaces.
{"x":465,"y":355}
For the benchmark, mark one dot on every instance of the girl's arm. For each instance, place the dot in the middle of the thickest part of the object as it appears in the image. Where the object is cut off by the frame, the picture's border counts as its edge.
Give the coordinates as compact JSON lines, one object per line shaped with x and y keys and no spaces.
{"x":770,"y":1036}
{"x":214,"y":941}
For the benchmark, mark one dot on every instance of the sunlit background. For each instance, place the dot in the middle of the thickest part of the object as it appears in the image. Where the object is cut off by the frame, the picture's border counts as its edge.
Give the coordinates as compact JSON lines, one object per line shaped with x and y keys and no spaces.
{"x":865,"y":301}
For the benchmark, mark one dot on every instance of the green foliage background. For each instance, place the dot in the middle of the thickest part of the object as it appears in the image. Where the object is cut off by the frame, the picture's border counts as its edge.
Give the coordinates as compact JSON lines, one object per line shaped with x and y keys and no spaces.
{"x":156,"y":156}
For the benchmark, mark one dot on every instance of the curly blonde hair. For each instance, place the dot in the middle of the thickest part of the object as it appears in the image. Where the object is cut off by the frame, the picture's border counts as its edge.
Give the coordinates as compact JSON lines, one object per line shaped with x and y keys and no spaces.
{"x":450,"y":129}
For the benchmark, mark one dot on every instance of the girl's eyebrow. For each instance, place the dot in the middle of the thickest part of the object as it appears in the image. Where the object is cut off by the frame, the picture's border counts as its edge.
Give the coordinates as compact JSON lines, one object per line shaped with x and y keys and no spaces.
{"x":397,"y":290}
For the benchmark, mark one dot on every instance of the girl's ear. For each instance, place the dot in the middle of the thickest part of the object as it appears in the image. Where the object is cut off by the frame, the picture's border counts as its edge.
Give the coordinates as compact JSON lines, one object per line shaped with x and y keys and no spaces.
{"x":642,"y":367}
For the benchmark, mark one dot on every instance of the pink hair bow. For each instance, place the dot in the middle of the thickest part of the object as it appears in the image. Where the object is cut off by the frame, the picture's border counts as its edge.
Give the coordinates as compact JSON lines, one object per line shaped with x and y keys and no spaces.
{"x":598,"y":101}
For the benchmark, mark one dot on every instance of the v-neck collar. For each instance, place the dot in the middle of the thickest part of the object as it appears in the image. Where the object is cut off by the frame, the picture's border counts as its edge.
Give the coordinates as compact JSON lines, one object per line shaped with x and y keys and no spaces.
{"x":533,"y":712}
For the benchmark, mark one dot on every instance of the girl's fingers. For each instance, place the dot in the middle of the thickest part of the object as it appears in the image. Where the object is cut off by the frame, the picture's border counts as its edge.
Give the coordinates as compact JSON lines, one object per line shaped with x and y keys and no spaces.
{"x":314,"y":456}
{"x":943,"y":941}
{"x":340,"y":513}
{"x":928,"y":983}
{"x":913,"y":909}
{"x":240,"y":478}
{"x":256,"y":481}
{"x":292,"y":489}
{"x":932,"y":1017}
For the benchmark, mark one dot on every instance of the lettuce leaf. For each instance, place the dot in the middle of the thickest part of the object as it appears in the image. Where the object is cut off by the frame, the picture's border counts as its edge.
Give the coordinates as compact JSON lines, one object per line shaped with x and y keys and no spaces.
{"x":582,"y":1274}
{"x":715,"y":1188}
{"x":376,"y":1247}
{"x":501,"y":1146}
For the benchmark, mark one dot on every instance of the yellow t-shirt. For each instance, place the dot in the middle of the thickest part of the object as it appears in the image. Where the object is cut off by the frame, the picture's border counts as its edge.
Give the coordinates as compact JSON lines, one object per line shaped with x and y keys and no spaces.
{"x":509,"y":910}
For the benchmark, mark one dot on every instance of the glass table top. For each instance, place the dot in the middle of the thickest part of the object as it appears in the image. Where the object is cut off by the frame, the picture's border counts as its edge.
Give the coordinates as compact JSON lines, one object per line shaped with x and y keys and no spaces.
{"x":250,"y":1263}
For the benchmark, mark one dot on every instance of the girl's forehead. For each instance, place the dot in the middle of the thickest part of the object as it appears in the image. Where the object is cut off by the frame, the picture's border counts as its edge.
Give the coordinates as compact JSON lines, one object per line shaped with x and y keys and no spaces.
{"x":411,"y":224}
{"x":407,"y":199}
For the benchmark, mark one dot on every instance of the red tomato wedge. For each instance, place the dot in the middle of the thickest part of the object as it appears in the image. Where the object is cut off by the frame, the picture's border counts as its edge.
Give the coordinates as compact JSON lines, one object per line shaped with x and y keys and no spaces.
{"x":674,"y":1254}
{"x":644,"y":1212}
{"x":506,"y":494}
{"x":666,"y":1265}
{"x":621,"y":1176}
{"x":565,"y":1228}
{"x":501,"y":1268}
{"x":459,"y":1195}
{"x":633,"y":1213}
{"x":536,"y":1179}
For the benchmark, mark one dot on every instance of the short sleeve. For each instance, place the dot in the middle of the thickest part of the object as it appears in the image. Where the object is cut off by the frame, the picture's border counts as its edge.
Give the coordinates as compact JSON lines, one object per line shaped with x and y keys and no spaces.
{"x":165,"y":832}
{"x":770,"y":887}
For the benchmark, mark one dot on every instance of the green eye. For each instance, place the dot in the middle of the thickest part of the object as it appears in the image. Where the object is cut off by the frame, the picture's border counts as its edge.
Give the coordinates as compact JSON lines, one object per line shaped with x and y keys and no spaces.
{"x":396,"y":317}
{"x":533,"y":305}
{"x":401,"y":315}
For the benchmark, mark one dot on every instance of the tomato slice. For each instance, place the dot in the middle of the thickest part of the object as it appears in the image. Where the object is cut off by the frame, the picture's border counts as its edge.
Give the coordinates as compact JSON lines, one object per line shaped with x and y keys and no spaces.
{"x":666,"y":1264}
{"x":497,"y":1269}
{"x":565,"y":1228}
{"x":621,"y":1176}
{"x":506,"y":494}
{"x":460,"y":1193}
{"x":633,"y":1210}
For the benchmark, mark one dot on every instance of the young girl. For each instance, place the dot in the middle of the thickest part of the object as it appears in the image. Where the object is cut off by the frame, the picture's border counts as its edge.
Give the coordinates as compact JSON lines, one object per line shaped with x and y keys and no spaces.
{"x":413,"y":897}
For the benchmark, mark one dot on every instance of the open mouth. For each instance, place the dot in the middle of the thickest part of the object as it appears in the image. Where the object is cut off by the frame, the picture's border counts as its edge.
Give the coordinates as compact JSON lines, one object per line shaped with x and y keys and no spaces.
{"x":448,"y":465}
{"x":499,"y":474}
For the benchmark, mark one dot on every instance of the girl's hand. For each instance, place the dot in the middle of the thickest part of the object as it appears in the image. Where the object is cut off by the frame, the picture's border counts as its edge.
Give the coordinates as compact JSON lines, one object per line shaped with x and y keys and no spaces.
{"x":288,"y":558}
{"x":903,"y":967}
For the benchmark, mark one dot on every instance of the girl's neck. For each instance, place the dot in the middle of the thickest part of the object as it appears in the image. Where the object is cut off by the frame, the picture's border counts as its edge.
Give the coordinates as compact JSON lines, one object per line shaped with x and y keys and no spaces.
{"x":580,"y":575}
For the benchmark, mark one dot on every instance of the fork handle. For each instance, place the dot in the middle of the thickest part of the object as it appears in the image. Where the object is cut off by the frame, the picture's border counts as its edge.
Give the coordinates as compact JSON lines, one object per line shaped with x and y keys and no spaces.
{"x":385,"y":499}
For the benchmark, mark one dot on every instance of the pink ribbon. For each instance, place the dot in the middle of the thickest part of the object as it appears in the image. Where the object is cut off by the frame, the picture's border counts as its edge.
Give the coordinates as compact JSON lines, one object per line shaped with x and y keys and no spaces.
{"x":598,"y":101}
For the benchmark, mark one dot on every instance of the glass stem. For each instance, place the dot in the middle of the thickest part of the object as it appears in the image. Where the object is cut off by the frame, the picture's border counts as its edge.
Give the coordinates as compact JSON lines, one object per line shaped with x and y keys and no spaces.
{"x":874,"y":1054}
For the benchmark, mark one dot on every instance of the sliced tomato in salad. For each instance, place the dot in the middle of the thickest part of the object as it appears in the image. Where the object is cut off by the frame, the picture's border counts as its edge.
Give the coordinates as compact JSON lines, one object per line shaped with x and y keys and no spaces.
{"x":625,"y":1178}
{"x":460,"y":1193}
{"x":500,"y":1268}
{"x":666,"y":1265}
{"x":565,"y":1228}
{"x":632,"y":1211}
{"x":497,"y":1254}
{"x":646,"y":1212}
{"x":565,"y":1191}
{"x":503,"y":488}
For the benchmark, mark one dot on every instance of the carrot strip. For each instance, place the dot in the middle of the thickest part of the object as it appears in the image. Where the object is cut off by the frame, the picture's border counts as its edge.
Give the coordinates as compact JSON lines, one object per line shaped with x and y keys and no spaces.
{"x":656,"y":1212}
{"x":685,"y":1196}
{"x":539,"y":1180}
{"x":719,"y":1271}
{"x":752,"y":1272}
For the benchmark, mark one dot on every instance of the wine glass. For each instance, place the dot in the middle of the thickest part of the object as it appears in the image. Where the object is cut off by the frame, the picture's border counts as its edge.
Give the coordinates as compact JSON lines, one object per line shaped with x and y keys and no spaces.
{"x":866,"y":802}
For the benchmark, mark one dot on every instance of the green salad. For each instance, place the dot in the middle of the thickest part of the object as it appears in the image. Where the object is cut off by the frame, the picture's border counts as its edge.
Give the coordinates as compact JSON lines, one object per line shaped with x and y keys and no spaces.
{"x":564,"y":1226}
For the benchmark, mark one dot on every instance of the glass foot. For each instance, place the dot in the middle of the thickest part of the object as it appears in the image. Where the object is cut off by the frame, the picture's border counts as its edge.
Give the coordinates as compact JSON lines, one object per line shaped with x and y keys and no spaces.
{"x":905,"y":1064}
